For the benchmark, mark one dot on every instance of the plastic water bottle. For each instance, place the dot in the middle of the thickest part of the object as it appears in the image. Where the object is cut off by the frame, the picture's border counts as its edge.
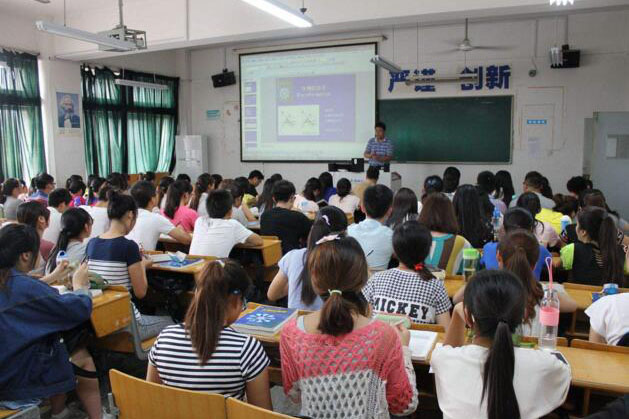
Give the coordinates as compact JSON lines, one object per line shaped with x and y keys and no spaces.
{"x":496,"y":222}
{"x":61,"y":256}
{"x":549,"y":319}
{"x":565,"y":222}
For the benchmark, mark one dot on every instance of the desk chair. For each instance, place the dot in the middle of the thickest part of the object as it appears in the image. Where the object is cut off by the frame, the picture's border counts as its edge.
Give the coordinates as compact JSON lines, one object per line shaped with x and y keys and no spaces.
{"x":241,"y":410}
{"x":128,"y":340}
{"x":132,"y":398}
{"x":593,"y":346}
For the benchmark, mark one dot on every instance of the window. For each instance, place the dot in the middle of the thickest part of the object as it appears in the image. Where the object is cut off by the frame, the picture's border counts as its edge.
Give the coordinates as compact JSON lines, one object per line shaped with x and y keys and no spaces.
{"x":128,"y":129}
{"x":21,"y":134}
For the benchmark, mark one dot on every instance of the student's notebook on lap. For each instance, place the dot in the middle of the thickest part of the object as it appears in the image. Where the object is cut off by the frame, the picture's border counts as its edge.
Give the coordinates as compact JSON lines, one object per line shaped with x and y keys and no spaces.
{"x":264,"y":320}
{"x":421,"y":344}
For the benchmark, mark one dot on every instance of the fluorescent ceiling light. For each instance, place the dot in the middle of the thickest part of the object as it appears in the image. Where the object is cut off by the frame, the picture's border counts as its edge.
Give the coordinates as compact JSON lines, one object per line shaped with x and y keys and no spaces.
{"x":142,"y":84}
{"x":81,"y":35}
{"x":386,"y":64}
{"x":561,"y":2}
{"x":282,"y":11}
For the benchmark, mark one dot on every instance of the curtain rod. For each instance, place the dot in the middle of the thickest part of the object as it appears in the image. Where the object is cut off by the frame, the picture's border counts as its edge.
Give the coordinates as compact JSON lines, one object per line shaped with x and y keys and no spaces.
{"x":12,"y":49}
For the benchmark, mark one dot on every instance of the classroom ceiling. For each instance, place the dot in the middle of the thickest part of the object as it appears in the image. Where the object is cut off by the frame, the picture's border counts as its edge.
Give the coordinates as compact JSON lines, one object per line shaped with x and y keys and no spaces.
{"x":174,"y":24}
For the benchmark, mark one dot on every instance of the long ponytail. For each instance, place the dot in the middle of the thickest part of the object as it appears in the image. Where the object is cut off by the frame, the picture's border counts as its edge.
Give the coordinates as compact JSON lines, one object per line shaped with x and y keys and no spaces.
{"x":601,"y":227}
{"x":339,"y":267}
{"x":495,"y":300}
{"x":329,"y":220}
{"x":206,"y":315}
{"x":204,"y":181}
{"x":73,"y":222}
{"x":173,"y":197}
{"x":498,"y":376}
{"x":519,"y":250}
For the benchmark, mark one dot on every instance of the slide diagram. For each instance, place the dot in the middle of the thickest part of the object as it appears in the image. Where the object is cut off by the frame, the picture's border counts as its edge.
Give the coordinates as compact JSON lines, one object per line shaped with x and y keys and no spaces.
{"x":316,"y":108}
{"x":298,"y":120}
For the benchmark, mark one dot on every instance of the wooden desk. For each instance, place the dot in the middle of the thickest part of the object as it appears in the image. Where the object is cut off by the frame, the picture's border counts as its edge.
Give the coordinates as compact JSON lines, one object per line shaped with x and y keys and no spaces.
{"x":111,"y":311}
{"x":598,"y":370}
{"x":453,"y":284}
{"x":271,"y":250}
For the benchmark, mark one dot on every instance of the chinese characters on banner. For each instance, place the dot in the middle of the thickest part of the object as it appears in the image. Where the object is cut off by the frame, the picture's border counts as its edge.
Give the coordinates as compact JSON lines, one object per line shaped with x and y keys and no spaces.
{"x":491,"y":77}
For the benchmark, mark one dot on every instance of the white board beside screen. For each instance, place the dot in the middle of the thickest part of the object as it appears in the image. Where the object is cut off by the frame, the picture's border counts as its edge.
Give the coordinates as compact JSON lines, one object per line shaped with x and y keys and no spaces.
{"x":314,"y":104}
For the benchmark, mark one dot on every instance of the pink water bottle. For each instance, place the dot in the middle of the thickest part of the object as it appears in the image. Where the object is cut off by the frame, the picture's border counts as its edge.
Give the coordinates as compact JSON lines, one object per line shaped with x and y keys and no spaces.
{"x":549,"y":319}
{"x":549,"y":314}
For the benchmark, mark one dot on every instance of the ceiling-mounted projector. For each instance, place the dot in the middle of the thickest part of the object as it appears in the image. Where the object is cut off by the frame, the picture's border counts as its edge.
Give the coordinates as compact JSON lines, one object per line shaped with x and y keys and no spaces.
{"x":122,"y":33}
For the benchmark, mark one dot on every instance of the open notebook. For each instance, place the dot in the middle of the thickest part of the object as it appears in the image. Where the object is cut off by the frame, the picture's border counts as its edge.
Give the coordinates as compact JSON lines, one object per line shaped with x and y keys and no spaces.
{"x":421,"y":344}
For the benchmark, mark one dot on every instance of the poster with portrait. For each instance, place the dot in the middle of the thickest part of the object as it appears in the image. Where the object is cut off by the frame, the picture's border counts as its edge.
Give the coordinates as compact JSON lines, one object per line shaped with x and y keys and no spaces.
{"x":68,"y":113}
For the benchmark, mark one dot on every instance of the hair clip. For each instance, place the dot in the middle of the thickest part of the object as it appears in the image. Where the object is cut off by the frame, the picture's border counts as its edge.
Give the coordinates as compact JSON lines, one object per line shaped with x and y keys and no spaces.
{"x":339,"y":292}
{"x":326,"y":219}
{"x":328,"y":238}
{"x":419,"y":266}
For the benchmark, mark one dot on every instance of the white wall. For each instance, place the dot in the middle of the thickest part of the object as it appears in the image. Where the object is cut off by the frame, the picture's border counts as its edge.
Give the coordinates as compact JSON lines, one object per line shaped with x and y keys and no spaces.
{"x":599,"y":85}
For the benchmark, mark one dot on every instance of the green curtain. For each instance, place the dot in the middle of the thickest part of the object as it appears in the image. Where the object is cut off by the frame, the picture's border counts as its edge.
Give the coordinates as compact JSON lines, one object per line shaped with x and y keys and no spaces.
{"x":128,"y":129}
{"x":22,"y":152}
{"x":152,"y":123}
{"x":103,"y":113}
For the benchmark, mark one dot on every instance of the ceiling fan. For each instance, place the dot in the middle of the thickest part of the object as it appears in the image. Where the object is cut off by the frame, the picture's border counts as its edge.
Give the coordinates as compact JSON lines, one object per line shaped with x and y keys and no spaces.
{"x":467,"y":46}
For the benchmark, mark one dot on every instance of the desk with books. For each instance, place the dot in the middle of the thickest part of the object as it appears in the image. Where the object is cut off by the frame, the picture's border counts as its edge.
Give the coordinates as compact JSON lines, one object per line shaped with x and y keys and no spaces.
{"x":596,"y":370}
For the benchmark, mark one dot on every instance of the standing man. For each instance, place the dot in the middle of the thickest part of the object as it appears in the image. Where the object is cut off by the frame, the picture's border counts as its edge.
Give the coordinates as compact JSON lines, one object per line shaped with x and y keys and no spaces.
{"x":379,"y":149}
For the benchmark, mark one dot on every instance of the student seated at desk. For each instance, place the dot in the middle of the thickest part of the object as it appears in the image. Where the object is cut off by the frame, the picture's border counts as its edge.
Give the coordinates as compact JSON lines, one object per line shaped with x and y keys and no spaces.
{"x":544,"y":231}
{"x":374,"y":237}
{"x":595,"y":258}
{"x":472,"y":215}
{"x":150,"y":225}
{"x":240,"y":210}
{"x":203,"y":185}
{"x":77,"y":189}
{"x":337,"y":361}
{"x":307,"y":200}
{"x":411,"y":288}
{"x":264,"y":201}
{"x":404,"y":208}
{"x":534,"y":182}
{"x":118,"y":260}
{"x":490,"y":378}
{"x":515,"y":218}
{"x":518,"y":252}
{"x":76,"y":227}
{"x":343,"y":198}
{"x":161,"y":191}
{"x":327,"y":186}
{"x":58,"y":201}
{"x":204,"y":353}
{"x":176,"y":210}
{"x":94,"y":186}
{"x":609,"y":320}
{"x":98,"y":211}
{"x":43,"y":184}
{"x":293,"y":279}
{"x":36,"y":363}
{"x":447,"y":247}
{"x":34,"y":214}
{"x":292,"y":227}
{"x":9,"y":194}
{"x":217,"y":234}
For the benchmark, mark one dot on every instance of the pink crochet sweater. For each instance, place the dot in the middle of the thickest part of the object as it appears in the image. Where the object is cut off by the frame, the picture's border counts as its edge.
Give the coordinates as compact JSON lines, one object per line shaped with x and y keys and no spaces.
{"x":363,"y":374}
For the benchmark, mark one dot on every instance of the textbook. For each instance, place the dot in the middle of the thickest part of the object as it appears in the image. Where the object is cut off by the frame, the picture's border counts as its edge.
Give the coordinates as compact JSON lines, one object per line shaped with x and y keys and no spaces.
{"x":264,"y":320}
{"x":421,"y":344}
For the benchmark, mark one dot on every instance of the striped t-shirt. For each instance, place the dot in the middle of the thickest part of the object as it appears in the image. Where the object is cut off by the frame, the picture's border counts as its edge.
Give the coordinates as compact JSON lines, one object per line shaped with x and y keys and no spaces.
{"x":237,"y":359}
{"x":111,"y":259}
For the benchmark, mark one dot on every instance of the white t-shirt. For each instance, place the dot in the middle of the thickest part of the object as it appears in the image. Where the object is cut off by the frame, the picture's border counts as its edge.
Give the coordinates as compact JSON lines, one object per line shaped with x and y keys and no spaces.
{"x":148,"y":228}
{"x":100,"y":219}
{"x":541,"y":381}
{"x":217,"y":236}
{"x":54,"y":226}
{"x":202,"y":209}
{"x":349,"y":203}
{"x":239,"y":215}
{"x":305,"y":205}
{"x":609,"y":317}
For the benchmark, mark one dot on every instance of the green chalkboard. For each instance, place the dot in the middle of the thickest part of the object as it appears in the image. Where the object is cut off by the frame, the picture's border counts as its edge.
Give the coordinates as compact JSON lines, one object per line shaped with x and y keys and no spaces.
{"x":463,"y":129}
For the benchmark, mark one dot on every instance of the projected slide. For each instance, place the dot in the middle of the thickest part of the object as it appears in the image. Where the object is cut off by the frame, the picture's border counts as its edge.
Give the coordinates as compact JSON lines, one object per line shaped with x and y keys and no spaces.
{"x":308,"y":105}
